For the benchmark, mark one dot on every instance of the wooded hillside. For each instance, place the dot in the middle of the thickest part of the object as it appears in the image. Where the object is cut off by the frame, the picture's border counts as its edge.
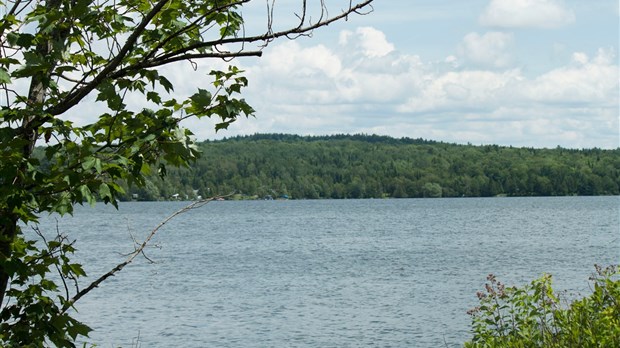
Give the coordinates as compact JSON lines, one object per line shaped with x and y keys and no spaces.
{"x":370,"y":166}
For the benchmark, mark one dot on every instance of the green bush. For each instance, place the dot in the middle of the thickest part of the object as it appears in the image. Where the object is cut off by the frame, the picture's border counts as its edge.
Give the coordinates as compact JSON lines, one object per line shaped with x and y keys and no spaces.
{"x":536,"y":316}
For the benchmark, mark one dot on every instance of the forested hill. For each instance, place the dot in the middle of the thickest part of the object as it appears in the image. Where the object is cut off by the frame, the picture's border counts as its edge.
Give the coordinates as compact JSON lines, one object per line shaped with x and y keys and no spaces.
{"x":365,"y":166}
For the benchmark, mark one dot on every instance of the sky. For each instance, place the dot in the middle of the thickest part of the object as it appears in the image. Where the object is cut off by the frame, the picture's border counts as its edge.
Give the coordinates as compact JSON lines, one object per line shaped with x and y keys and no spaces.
{"x":532,"y":73}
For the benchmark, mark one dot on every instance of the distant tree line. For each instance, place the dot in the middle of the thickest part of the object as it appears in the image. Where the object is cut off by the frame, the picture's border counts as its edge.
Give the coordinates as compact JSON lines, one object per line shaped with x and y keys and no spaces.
{"x":371,"y":166}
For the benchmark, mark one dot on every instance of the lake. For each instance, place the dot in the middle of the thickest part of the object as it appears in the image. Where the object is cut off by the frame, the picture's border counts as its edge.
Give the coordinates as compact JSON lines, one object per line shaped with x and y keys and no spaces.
{"x":327,"y":273}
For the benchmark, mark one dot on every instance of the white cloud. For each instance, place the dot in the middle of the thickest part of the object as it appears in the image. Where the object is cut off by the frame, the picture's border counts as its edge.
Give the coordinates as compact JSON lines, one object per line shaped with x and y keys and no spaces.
{"x":493,"y":49}
{"x":326,"y":90}
{"x":580,"y":57}
{"x":370,"y":41}
{"x":527,"y":14}
{"x":464,"y":90}
{"x":586,"y":81}
{"x":290,"y":60}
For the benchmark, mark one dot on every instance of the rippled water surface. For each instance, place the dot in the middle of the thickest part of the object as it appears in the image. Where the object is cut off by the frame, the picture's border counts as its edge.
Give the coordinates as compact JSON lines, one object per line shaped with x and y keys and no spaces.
{"x":327,"y":273}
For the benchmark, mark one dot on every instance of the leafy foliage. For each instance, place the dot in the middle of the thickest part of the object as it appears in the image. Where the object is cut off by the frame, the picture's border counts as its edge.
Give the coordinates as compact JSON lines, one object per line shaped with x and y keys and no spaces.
{"x":37,"y":312}
{"x":364,"y":166}
{"x":533,"y":316}
{"x":56,"y":54}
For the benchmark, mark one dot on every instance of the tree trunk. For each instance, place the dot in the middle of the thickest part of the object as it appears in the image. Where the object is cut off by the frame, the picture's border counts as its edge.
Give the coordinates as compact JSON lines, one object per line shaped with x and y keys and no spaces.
{"x":8,"y":231}
{"x":29,"y":131}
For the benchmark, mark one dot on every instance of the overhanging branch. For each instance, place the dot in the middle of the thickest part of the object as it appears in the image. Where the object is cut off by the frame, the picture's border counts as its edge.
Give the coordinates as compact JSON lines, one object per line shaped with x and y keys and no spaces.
{"x":269,"y":36}
{"x":139,"y":250}
{"x":159,"y":62}
{"x":112,"y":71}
{"x":189,"y":27}
{"x":74,"y":98}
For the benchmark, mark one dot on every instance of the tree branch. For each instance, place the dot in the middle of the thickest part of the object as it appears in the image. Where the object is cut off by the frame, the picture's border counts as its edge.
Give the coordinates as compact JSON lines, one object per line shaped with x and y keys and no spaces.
{"x":184,"y":53}
{"x":139,"y":250}
{"x":158,"y":62}
{"x":267,"y":37}
{"x":192,"y":25}
{"x":75,"y":97}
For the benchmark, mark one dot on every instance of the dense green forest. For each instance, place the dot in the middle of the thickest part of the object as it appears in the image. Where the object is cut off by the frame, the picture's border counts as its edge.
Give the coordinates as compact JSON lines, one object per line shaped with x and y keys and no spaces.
{"x":370,"y":166}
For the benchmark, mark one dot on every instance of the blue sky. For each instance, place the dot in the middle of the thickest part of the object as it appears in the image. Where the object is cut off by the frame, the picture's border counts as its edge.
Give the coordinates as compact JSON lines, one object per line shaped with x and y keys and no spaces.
{"x":536,"y":73}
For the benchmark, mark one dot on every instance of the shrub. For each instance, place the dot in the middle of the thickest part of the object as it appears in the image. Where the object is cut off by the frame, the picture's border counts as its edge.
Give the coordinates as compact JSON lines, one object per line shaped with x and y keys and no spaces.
{"x":536,"y":316}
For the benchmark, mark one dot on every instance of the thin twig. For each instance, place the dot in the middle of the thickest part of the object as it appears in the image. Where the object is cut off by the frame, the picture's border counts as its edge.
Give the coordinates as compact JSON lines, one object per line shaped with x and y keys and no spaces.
{"x":136,"y":252}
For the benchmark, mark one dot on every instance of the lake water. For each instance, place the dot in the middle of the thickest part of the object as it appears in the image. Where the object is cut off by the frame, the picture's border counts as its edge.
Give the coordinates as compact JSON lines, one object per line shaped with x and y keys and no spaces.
{"x":328,"y":273}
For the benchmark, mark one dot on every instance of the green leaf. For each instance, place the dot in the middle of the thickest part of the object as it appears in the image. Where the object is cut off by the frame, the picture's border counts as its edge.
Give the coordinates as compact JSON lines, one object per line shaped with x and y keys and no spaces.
{"x":65,"y":68}
{"x":154,"y":97}
{"x":87,"y":195}
{"x":4,"y":76}
{"x":63,"y":204}
{"x":104,"y":192}
{"x":117,"y":188}
{"x":166,"y":84}
{"x":201,"y":100}
{"x":88,"y":163}
{"x":78,"y":329}
{"x":80,"y":7}
{"x":222,"y":125}
{"x":20,"y":39}
{"x":77,"y":269}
